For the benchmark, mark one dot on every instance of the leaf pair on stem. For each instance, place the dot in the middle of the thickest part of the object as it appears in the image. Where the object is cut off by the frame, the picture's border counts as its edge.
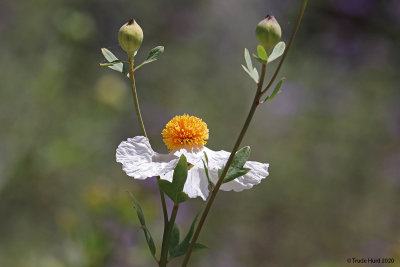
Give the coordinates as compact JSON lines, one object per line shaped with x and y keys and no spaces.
{"x":263,"y":58}
{"x":115,"y":64}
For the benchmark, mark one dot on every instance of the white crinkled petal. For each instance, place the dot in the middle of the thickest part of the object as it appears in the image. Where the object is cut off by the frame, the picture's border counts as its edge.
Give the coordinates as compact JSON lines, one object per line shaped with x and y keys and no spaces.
{"x":196,"y":184}
{"x":217,"y":160}
{"x":194,"y":156}
{"x":258,"y":172}
{"x":140,"y":161}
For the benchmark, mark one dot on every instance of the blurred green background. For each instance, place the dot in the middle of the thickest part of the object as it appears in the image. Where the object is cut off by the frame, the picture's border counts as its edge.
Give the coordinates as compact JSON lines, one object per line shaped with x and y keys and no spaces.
{"x":331,"y":137}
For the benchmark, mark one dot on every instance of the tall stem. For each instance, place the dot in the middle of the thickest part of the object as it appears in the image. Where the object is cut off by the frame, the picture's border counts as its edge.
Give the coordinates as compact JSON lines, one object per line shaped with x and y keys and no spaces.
{"x":167,"y":236}
{"x":139,"y":115}
{"x":253,"y":108}
{"x":214,"y":192}
{"x":134,"y":93}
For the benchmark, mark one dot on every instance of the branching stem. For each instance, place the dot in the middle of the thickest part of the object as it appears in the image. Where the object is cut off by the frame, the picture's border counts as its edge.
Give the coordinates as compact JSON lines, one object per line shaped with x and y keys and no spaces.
{"x":253,"y":108}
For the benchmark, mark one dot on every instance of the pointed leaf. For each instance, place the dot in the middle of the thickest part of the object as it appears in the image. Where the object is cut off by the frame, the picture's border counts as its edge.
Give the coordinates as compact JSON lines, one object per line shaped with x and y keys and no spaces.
{"x":233,"y":173}
{"x":138,"y":210}
{"x":255,"y":74}
{"x":149,"y":239}
{"x":262,"y":54}
{"x":174,"y":240}
{"x":189,"y":234}
{"x":258,"y":59}
{"x":167,"y":187}
{"x":180,"y":173}
{"x":205,"y":155}
{"x":110,"y":57}
{"x":276,"y":90}
{"x":241,"y":157}
{"x":182,"y":248}
{"x":199,"y":246}
{"x":210,"y":183}
{"x":248,"y":59}
{"x":277,"y":51}
{"x":182,"y":197}
{"x":251,"y":74}
{"x":174,"y":190}
{"x":236,"y":169}
{"x":153,"y":55}
{"x":110,"y":63}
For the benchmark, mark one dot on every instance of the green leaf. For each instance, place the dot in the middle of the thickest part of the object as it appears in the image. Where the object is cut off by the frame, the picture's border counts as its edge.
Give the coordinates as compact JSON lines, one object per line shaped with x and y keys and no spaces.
{"x":138,"y":210}
{"x":258,"y":59}
{"x":241,"y":157}
{"x":233,"y":173}
{"x":236,"y":169}
{"x":180,"y":173}
{"x":183,"y":247}
{"x":174,"y":190}
{"x":110,"y":63}
{"x":251,"y":71}
{"x":205,"y":155}
{"x":116,"y":64}
{"x":253,"y":74}
{"x":248,"y":59}
{"x":262,"y":54}
{"x":108,"y":55}
{"x":170,"y":189}
{"x":277,"y":51}
{"x":175,"y":236}
{"x":276,"y":90}
{"x":205,"y":164}
{"x":153,"y":55}
{"x":181,"y":197}
{"x":189,"y":234}
{"x":199,"y":246}
{"x":149,"y":239}
{"x":210,"y":183}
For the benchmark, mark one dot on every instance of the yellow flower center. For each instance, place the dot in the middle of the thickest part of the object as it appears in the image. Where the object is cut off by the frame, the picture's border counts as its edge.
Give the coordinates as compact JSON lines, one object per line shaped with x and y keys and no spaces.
{"x":185,"y":132}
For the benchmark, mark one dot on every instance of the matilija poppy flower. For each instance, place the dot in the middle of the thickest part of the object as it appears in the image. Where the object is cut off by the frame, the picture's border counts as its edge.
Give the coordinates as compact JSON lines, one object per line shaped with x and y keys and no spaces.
{"x":185,"y":135}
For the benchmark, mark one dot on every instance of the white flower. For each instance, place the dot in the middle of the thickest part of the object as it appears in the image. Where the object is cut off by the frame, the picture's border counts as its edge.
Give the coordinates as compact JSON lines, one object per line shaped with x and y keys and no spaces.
{"x":140,"y":161}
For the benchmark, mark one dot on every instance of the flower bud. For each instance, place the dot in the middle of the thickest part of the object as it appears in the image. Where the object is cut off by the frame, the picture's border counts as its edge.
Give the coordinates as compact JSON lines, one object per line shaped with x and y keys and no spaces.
{"x":268,"y":32}
{"x":130,"y":37}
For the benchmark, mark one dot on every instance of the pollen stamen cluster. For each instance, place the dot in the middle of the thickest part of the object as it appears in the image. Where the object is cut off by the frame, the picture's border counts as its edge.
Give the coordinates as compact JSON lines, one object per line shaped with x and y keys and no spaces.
{"x":185,"y":132}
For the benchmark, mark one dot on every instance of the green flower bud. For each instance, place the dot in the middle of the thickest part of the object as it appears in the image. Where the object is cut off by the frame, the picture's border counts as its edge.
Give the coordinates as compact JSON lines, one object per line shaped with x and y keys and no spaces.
{"x":268,"y":32}
{"x":130,"y":37}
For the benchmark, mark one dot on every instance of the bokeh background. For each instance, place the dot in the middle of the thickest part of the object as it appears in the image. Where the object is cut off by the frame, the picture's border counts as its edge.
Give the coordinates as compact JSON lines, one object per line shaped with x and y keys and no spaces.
{"x":331,"y":137}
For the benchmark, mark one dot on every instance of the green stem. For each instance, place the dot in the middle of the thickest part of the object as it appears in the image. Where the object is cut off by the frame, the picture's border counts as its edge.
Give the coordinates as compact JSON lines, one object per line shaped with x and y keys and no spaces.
{"x":253,"y":108}
{"x":164,"y":206}
{"x":139,"y":115}
{"x":303,"y":8}
{"x":167,"y":236}
{"x":135,"y":97}
{"x":214,"y":192}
